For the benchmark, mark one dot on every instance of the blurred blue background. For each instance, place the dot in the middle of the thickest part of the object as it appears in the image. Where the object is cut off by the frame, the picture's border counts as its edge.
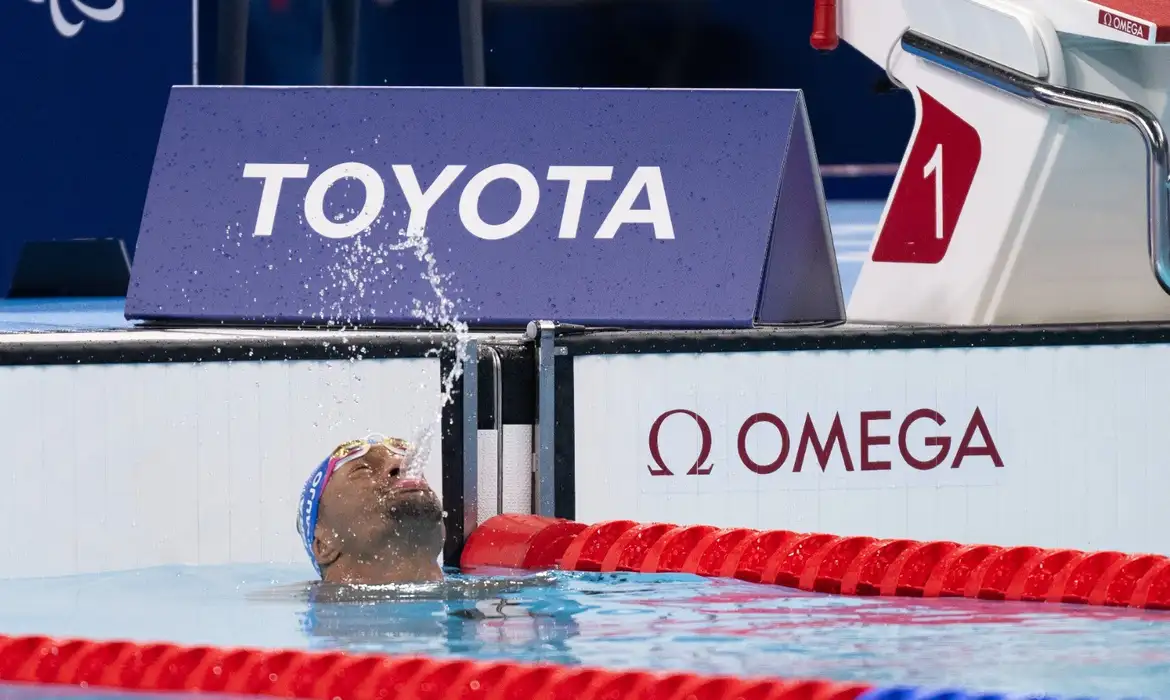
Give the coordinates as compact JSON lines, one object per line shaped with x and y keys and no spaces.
{"x":633,"y":43}
{"x":84,"y":100}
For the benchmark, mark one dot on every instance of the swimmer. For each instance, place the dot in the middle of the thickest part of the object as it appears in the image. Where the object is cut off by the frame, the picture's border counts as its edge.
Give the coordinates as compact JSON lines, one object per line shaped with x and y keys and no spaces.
{"x":363,"y":520}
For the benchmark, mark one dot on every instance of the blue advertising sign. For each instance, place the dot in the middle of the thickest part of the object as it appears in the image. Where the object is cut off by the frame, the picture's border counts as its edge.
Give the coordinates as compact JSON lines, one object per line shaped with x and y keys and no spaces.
{"x":85,"y":88}
{"x":636,"y":208}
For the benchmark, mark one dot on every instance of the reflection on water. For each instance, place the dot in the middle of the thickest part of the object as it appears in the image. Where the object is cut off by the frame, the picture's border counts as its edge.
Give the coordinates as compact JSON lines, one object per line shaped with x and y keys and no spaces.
{"x":486,"y":617}
{"x":661,"y":621}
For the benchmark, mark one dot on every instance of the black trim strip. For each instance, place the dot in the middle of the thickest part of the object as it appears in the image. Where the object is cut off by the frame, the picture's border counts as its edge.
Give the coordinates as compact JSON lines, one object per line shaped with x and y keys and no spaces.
{"x":565,"y":450}
{"x":181,"y":323}
{"x":452,"y":459}
{"x":122,"y":347}
{"x":861,"y":338}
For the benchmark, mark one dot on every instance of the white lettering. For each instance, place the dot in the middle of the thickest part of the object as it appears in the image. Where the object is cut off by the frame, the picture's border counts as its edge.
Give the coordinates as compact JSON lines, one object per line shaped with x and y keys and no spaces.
{"x":578,"y":177}
{"x":420,"y":202}
{"x":315,"y":200}
{"x":469,"y":201}
{"x":935,"y":167}
{"x":657,"y":214}
{"x":273,"y":175}
{"x":312,"y":496}
{"x":1124,"y":24}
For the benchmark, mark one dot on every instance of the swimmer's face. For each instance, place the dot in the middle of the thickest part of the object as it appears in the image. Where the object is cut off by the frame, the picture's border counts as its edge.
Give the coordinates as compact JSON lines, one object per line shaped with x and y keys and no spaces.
{"x":370,"y":504}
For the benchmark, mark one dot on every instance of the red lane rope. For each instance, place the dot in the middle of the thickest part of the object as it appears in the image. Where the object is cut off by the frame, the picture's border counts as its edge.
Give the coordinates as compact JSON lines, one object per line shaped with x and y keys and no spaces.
{"x":340,"y":676}
{"x":826,"y":563}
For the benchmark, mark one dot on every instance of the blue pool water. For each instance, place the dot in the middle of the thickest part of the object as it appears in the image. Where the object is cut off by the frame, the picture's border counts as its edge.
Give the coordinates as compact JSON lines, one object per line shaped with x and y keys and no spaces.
{"x":676,"y":621}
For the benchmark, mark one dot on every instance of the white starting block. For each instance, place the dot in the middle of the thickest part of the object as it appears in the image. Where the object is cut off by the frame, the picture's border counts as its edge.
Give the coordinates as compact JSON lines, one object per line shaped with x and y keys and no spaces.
{"x":1035,"y":186}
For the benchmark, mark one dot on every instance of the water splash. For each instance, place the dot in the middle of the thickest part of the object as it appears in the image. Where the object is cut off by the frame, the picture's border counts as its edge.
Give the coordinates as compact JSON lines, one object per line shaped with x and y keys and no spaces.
{"x":351,"y":297}
{"x":443,"y":315}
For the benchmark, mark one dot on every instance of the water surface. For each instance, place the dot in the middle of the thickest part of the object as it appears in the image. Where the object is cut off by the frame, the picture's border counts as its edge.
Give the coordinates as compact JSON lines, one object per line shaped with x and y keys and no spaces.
{"x":671,"y":621}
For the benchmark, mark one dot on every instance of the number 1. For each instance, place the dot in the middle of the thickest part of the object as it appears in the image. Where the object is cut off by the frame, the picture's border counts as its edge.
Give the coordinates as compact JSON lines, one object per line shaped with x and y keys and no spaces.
{"x":934,"y":167}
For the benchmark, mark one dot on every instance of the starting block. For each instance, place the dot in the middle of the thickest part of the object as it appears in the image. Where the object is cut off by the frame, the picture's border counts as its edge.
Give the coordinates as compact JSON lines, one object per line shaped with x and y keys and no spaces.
{"x":1034,"y":189}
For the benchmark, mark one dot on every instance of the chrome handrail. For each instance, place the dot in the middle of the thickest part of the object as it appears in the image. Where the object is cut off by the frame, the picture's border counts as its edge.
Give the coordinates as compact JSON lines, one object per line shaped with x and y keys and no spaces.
{"x":543,"y":335}
{"x":1110,"y":109}
{"x":498,"y":423}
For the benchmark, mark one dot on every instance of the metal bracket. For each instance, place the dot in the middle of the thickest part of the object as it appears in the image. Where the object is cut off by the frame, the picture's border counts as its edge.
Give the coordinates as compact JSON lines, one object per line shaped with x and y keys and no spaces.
{"x":543,"y":335}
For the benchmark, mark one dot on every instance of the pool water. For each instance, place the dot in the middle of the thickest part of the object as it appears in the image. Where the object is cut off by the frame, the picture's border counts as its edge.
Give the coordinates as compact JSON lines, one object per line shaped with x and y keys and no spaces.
{"x":673,"y":621}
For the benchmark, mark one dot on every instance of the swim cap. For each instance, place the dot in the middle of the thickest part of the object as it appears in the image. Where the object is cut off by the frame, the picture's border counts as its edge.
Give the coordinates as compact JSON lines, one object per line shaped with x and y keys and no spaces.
{"x":310,"y":503}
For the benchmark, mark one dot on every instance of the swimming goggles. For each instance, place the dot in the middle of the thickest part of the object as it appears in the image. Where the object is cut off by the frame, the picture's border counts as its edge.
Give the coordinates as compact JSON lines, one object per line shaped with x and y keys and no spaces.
{"x":349,"y":451}
{"x":310,"y":503}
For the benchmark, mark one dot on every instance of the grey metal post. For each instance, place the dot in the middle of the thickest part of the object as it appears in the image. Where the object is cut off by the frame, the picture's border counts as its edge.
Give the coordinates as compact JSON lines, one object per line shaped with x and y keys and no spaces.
{"x":471,"y":42}
{"x":543,"y":333}
{"x":470,"y":439}
{"x":340,"y":41}
{"x":231,"y":49}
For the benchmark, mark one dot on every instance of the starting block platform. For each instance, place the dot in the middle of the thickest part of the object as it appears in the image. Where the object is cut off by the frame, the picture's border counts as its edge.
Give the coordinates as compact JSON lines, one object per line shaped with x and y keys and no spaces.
{"x":1035,"y":188}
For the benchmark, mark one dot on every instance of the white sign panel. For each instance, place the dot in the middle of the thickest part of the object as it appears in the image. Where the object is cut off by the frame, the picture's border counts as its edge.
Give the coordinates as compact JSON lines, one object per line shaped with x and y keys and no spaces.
{"x":112,"y":467}
{"x":1047,"y":446}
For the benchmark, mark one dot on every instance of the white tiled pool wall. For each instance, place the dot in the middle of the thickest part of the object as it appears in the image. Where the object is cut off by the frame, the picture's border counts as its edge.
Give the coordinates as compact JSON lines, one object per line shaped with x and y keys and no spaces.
{"x":122,"y":466}
{"x":113,"y":467}
{"x":1051,"y":446}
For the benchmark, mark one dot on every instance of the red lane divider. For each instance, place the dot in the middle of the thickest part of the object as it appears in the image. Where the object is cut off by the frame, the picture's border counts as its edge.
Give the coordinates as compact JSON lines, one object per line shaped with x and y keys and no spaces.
{"x":339,"y":676}
{"x":826,"y":563}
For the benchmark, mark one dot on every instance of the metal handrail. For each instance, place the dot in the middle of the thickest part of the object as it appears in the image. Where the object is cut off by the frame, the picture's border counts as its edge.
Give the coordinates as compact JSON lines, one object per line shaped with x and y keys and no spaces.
{"x":543,"y":336}
{"x":1089,"y":104}
{"x":498,"y":423}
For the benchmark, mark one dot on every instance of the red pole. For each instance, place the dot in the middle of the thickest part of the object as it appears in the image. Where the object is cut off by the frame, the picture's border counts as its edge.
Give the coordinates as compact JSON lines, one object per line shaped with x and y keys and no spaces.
{"x":824,"y":34}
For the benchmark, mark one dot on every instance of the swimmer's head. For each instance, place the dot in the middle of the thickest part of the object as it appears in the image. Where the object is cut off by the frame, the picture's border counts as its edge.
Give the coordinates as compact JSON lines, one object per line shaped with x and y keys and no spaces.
{"x":364,"y":520}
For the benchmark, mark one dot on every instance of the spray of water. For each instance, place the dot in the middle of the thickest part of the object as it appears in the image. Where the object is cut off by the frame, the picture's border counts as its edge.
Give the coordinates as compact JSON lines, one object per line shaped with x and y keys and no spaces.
{"x":351,"y":297}
{"x":441,"y":313}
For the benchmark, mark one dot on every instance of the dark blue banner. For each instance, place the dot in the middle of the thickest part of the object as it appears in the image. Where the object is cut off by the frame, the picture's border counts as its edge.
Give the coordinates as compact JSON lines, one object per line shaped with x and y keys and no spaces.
{"x":85,"y":88}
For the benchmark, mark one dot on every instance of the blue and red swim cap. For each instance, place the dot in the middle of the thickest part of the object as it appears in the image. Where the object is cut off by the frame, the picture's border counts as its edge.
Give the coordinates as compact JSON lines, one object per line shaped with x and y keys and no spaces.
{"x":310,"y":503}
